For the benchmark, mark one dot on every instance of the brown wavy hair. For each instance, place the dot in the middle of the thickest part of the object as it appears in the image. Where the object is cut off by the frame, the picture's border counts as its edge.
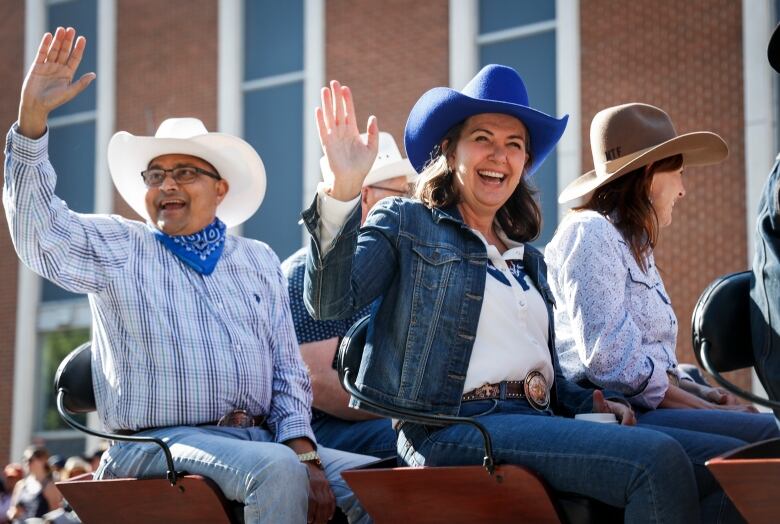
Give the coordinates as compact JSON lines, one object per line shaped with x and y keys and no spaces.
{"x":626,"y":201}
{"x":519,"y":217}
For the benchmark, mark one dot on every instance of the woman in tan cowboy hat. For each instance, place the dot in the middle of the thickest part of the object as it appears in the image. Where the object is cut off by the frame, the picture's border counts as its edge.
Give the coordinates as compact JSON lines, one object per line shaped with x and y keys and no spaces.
{"x":615,"y":324}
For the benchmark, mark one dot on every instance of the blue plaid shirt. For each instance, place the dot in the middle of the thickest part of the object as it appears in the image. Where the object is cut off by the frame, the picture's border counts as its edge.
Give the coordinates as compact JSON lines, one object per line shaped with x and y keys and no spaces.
{"x":170,"y":346}
{"x":306,"y":328}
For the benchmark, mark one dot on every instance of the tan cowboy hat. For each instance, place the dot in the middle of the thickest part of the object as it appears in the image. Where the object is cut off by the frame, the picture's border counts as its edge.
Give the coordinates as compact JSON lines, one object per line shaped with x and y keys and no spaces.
{"x":626,"y":137}
{"x":388,"y":164}
{"x":234,"y":159}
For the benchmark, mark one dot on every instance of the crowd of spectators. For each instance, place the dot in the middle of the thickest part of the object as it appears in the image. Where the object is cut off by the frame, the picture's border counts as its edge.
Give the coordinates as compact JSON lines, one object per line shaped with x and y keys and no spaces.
{"x":28,"y":493}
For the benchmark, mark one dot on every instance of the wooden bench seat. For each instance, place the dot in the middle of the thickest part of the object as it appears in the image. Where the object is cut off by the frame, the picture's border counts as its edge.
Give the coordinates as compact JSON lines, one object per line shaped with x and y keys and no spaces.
{"x":453,"y":495}
{"x":193,"y":500}
{"x":750,"y":476}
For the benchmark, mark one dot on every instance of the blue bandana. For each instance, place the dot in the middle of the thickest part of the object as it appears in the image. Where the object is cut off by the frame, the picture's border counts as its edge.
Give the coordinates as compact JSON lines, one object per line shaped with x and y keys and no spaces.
{"x":200,"y":251}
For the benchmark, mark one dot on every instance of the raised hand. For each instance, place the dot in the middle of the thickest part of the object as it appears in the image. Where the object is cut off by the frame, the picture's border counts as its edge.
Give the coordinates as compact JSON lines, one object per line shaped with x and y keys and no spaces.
{"x":49,"y":82}
{"x":350,"y":156}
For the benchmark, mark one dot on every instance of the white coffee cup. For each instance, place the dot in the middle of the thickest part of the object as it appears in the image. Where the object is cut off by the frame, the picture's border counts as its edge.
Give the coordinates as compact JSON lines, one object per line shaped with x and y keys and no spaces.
{"x":604,"y":418}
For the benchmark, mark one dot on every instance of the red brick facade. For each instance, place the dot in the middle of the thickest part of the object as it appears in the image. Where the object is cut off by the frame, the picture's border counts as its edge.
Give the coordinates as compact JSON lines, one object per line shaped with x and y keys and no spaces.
{"x":164,"y":72}
{"x":685,"y":57}
{"x":11,"y":71}
{"x":389,"y":53}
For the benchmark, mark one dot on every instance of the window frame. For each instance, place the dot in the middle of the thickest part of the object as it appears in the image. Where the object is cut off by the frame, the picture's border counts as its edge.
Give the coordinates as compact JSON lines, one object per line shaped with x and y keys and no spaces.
{"x":464,"y":64}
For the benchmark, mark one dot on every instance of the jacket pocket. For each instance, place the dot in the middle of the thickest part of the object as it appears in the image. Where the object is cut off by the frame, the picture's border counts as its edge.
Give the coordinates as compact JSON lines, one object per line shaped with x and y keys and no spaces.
{"x":432,"y":267}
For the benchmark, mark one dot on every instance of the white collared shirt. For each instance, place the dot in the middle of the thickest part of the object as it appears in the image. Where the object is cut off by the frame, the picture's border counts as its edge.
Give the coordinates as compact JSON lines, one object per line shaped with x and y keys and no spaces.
{"x":512,"y":333}
{"x":614,"y":322}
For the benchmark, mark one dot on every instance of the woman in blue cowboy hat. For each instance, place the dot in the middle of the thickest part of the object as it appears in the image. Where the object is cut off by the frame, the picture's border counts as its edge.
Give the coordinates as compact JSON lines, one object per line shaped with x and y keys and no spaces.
{"x":464,"y":323}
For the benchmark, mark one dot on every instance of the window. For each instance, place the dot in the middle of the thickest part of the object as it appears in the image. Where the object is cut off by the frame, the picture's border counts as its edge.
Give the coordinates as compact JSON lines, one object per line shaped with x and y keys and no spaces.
{"x":273,"y":93}
{"x":521,"y":34}
{"x":72,"y":126}
{"x":63,"y":318}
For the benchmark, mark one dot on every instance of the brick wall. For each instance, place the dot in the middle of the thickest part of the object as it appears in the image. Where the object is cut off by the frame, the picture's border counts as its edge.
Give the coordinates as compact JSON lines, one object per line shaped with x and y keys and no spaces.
{"x":164,"y":69}
{"x":11,"y":71}
{"x":685,"y":57}
{"x":389,"y":53}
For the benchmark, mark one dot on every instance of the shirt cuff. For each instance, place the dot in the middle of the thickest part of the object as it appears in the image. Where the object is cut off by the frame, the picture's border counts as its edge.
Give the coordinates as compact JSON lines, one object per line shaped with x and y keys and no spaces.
{"x":654,"y":391}
{"x":26,"y":150}
{"x":294,"y":426}
{"x":333,"y":215}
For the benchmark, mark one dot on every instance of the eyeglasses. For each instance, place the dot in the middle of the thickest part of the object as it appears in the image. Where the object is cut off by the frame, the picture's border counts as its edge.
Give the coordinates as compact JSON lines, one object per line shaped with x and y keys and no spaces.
{"x":181,"y":175}
{"x":399,"y":192}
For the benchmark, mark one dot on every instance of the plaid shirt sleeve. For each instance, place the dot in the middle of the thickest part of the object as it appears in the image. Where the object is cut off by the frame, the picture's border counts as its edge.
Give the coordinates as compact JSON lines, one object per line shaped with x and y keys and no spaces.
{"x":80,"y":253}
{"x":292,"y":395}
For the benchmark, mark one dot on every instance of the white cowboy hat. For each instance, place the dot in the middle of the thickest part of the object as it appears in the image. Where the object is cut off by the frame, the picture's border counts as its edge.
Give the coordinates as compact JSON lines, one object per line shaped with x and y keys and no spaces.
{"x":388,"y":164}
{"x":234,"y":159}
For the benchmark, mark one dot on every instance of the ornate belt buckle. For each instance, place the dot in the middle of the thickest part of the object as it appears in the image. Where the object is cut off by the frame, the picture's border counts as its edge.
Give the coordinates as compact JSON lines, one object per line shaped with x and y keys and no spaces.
{"x":536,"y":392}
{"x":237,"y":418}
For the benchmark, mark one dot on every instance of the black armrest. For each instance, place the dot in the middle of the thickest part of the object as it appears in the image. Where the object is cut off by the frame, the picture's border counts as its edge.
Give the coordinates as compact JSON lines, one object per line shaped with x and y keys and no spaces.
{"x":349,"y":358}
{"x":721,"y":333}
{"x":75,"y":394}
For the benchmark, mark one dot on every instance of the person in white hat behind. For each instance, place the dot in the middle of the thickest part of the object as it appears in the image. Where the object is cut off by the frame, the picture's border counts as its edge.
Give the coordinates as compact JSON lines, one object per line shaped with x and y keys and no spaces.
{"x":334,"y":423}
{"x":192,"y":337}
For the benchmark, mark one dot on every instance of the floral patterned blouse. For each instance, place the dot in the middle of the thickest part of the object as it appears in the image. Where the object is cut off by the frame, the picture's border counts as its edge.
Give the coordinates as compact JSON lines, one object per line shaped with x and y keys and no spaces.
{"x":614,"y":324}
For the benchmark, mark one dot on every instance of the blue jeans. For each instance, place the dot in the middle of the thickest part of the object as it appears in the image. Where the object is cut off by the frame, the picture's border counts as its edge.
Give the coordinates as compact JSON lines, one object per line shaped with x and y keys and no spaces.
{"x":367,"y":437}
{"x":746,"y":427}
{"x":643,"y":471}
{"x":245,"y":463}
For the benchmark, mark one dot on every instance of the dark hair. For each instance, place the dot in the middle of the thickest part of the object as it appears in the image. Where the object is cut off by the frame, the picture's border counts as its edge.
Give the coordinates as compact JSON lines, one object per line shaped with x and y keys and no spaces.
{"x":626,"y":200}
{"x":519,"y":217}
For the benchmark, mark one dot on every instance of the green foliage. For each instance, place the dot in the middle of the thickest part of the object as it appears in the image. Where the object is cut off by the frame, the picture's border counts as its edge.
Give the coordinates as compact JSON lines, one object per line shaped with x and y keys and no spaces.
{"x":55,"y":346}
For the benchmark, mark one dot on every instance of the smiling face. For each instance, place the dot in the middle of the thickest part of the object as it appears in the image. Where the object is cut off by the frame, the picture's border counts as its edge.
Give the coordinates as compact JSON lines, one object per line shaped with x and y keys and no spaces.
{"x":665,"y":189}
{"x":184,"y":209}
{"x":488,"y":162}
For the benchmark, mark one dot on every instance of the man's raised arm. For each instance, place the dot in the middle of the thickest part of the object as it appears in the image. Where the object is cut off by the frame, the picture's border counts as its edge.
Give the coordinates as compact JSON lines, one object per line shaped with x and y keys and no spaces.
{"x":49,"y":82}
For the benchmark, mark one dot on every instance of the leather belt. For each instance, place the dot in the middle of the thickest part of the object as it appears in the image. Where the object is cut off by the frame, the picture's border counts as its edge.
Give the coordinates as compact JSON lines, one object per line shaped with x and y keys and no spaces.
{"x":237,"y":418}
{"x":533,"y":389}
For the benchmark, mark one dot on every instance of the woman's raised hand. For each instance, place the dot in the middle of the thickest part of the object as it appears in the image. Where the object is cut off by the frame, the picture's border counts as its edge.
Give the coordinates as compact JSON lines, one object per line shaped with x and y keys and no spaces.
{"x":49,"y":82}
{"x":350,"y":156}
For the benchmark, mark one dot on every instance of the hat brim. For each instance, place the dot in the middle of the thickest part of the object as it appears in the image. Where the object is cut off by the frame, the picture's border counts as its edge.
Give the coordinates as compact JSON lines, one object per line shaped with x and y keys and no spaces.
{"x":773,"y":50}
{"x":699,"y":148}
{"x":441,"y":108}
{"x":234,"y":159}
{"x":390,"y":170}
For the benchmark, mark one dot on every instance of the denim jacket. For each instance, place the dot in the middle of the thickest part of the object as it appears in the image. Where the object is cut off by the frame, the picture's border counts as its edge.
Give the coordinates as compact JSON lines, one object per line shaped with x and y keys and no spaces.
{"x":765,"y":287}
{"x":430,"y":270}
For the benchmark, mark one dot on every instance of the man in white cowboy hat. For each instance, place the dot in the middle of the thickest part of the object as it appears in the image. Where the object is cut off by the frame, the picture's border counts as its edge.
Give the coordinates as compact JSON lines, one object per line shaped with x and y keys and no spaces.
{"x":334,"y":423}
{"x":192,"y":335}
{"x":765,"y":288}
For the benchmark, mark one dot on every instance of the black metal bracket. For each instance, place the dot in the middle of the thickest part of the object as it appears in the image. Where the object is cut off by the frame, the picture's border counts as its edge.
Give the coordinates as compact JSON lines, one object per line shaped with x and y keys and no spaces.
{"x":171,"y":474}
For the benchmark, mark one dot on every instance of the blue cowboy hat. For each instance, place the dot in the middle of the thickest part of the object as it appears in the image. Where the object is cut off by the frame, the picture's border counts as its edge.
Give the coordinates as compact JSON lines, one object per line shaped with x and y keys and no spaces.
{"x":495,"y":89}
